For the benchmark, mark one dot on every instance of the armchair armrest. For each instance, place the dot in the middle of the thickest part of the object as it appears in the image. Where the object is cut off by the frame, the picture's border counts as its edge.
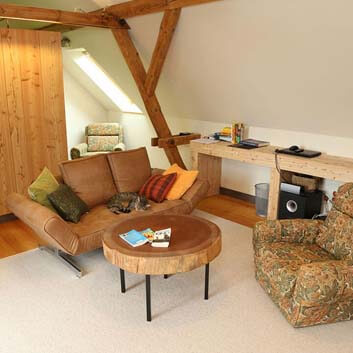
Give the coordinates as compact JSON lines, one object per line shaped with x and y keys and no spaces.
{"x":289,"y":230}
{"x":324,"y":282}
{"x":49,"y":226}
{"x":79,"y":150}
{"x":119,"y":147}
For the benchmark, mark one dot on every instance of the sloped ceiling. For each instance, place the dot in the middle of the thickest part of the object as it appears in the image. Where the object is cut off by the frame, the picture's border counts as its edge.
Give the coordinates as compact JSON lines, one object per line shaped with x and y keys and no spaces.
{"x":274,"y":63}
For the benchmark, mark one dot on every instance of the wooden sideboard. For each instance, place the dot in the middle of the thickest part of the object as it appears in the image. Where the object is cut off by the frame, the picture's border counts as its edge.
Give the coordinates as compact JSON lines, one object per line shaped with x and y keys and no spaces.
{"x":207,"y":158}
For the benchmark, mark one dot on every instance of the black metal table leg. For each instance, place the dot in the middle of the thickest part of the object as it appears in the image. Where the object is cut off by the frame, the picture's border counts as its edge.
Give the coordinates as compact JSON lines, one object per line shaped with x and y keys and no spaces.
{"x":166,"y":276}
{"x":122,"y":281}
{"x":207,"y":276}
{"x":148,"y":297}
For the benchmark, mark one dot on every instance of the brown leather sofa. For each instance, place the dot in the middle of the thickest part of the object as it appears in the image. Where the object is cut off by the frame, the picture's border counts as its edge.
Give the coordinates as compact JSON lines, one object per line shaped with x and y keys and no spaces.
{"x":95,"y":180}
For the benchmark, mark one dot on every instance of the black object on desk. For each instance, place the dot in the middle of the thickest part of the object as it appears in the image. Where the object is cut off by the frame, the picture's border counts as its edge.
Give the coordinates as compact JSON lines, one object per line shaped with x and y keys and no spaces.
{"x":296,"y":151}
{"x":245,"y":147}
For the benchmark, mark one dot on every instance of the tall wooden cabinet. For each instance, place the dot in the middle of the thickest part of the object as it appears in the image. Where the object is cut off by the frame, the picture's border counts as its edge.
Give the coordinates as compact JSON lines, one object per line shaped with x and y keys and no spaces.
{"x":32,"y":112}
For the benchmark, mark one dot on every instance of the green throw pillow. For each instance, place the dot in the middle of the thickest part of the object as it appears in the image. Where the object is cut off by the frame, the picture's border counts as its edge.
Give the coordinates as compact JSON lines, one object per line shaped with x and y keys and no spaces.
{"x":42,"y":186}
{"x":69,"y":206}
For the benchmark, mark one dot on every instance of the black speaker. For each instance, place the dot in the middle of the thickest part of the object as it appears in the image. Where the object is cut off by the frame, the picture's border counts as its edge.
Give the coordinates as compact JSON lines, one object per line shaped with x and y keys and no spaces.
{"x":299,"y":206}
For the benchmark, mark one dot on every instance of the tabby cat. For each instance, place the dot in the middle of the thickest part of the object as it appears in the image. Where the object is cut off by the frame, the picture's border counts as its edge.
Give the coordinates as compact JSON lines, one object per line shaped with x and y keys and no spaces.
{"x":125,"y":202}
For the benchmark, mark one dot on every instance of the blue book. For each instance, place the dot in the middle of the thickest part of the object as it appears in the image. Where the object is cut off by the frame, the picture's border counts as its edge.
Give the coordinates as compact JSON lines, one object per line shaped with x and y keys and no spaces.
{"x":134,"y":238}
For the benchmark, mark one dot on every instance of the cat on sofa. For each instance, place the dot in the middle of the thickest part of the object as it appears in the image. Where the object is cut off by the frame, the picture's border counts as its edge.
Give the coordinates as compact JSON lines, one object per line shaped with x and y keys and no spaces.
{"x":125,"y":202}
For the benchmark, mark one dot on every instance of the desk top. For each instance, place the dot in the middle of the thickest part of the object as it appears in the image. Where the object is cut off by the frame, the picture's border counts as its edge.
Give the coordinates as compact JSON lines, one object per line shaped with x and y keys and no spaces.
{"x":325,"y":166}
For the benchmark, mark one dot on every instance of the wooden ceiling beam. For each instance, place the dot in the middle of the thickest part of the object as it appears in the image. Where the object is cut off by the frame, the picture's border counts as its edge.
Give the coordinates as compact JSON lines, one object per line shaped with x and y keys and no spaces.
{"x":151,"y":103}
{"x":135,"y":8}
{"x":168,"y":25}
{"x":80,"y":19}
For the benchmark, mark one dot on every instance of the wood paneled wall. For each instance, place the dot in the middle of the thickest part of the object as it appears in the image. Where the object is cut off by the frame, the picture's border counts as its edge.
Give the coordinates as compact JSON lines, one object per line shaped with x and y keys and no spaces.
{"x":32,"y":112}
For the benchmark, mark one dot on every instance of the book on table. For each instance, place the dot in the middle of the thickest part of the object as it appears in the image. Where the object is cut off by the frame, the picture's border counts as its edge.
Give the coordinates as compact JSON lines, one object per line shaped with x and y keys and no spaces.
{"x":254,"y":143}
{"x":162,"y":238}
{"x":134,"y":238}
{"x":149,"y":234}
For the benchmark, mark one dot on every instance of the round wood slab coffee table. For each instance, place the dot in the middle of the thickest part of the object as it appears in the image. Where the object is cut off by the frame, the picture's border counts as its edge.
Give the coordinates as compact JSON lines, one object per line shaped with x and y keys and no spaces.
{"x":194,"y":242}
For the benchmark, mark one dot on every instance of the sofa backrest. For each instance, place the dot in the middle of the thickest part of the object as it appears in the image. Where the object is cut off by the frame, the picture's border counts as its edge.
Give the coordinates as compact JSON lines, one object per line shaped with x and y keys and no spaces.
{"x":90,"y":178}
{"x":337,"y":236}
{"x":130,"y":169}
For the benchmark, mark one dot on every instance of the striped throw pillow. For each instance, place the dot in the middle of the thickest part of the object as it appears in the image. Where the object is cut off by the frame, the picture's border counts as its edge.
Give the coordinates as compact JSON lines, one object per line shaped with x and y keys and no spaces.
{"x":157,"y":186}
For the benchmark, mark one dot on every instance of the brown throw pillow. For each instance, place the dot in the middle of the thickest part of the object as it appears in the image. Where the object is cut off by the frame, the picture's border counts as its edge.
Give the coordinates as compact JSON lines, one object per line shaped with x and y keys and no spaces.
{"x":69,"y":206}
{"x":157,"y":186}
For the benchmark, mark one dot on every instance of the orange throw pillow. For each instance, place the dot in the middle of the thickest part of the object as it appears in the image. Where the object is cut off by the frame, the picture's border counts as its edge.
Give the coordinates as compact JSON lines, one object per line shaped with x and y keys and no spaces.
{"x":184,"y":181}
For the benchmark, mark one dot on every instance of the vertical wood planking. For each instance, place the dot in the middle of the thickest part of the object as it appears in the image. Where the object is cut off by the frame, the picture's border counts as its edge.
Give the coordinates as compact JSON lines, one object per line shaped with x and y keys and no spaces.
{"x":32,"y":96}
{"x":7,"y":179}
{"x":33,"y":127}
{"x":54,"y":104}
{"x":11,"y":52}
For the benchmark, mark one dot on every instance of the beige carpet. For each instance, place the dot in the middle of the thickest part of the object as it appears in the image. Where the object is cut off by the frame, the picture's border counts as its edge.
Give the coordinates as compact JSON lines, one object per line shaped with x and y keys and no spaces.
{"x":45,"y":309}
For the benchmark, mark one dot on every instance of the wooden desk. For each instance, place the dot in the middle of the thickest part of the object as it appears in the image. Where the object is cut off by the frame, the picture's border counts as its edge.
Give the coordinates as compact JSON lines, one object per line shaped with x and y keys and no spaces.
{"x":208,"y":160}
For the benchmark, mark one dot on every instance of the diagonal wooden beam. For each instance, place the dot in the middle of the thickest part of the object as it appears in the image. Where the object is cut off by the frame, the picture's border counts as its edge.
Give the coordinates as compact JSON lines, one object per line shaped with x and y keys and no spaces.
{"x":134,"y":8}
{"x":27,"y":13}
{"x":151,"y":103}
{"x":168,"y":25}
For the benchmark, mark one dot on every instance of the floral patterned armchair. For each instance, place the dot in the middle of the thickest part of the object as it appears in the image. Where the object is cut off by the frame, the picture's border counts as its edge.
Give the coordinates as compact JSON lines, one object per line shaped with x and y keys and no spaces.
{"x":306,"y":266}
{"x":100,"y":138}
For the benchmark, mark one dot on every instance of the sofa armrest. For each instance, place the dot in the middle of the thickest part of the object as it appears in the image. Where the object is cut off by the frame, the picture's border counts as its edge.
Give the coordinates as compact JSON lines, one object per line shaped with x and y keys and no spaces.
{"x":49,"y":226}
{"x":326,"y":282}
{"x":289,"y":230}
{"x":79,"y":150}
{"x":196,"y":193}
{"x":119,"y":147}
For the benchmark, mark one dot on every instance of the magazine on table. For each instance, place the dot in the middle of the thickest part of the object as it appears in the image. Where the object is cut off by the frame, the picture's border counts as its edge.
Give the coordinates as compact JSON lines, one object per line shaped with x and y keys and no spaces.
{"x":162,"y":238}
{"x":149,"y":234}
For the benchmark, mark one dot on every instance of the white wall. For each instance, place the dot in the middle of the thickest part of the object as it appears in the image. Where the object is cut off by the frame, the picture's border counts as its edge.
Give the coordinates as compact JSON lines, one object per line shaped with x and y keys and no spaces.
{"x":81,"y":109}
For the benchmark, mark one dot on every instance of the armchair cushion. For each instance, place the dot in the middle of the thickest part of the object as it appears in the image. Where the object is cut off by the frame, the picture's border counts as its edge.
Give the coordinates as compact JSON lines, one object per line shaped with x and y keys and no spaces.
{"x":280,"y":262}
{"x":337,"y":238}
{"x":101,"y":143}
{"x":130,"y":169}
{"x":90,"y":178}
{"x":293,"y":231}
{"x":103,"y":129}
{"x":343,"y":200}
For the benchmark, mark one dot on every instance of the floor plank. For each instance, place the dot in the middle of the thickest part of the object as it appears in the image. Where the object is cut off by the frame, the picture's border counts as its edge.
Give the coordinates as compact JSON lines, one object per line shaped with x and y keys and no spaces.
{"x":234,"y":210}
{"x":16,"y":237}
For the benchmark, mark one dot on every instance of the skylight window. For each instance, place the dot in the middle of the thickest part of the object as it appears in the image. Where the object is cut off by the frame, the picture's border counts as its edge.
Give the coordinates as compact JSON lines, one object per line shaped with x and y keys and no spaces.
{"x":106,"y":84}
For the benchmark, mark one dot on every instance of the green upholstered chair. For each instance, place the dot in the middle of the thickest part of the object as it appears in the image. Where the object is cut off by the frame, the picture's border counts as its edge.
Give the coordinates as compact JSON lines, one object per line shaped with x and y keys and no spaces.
{"x":306,"y":266}
{"x":100,"y":138}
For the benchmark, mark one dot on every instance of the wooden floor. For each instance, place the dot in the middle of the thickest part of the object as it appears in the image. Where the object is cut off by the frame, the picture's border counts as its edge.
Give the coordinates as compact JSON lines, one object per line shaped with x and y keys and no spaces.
{"x":16,"y":237}
{"x":234,"y":210}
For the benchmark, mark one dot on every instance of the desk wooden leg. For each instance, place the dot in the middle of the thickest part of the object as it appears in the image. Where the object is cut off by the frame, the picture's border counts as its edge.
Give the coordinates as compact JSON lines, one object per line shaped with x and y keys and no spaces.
{"x":210,"y":169}
{"x":273,"y":197}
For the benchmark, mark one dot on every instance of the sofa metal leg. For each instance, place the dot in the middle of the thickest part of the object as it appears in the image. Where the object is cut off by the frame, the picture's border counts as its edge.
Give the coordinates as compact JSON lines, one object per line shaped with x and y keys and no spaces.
{"x":65,"y":259}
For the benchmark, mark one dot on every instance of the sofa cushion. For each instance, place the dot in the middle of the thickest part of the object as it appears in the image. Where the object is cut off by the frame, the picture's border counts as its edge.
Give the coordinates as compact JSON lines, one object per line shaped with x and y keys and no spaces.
{"x":90,"y":178}
{"x":157,"y":187}
{"x":185,"y":179}
{"x":92,"y":225}
{"x":69,"y":206}
{"x":40,"y":189}
{"x":280,"y":262}
{"x":130,"y":169}
{"x":337,"y":237}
